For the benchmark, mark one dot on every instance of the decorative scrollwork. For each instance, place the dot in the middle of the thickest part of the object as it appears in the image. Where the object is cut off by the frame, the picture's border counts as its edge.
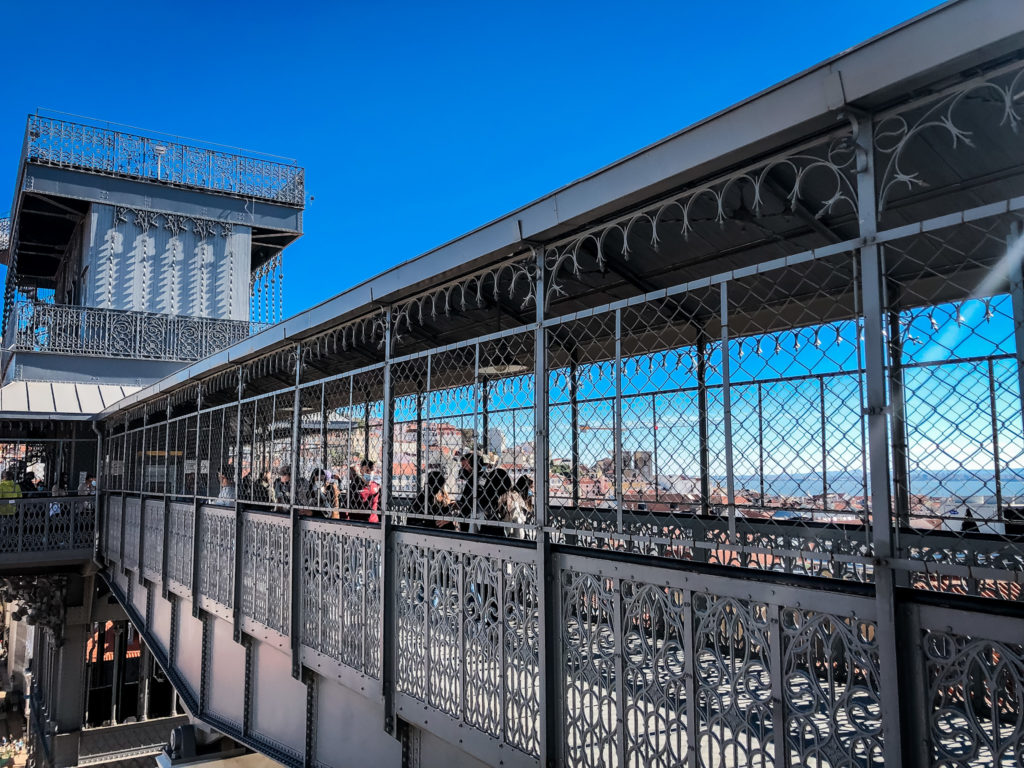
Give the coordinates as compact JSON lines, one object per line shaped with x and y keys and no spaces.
{"x":735,"y":197}
{"x":340,"y":594}
{"x":364,"y":332}
{"x":733,"y":707}
{"x":453,"y":610}
{"x":975,"y":700}
{"x":217,"y":555}
{"x":102,"y":150}
{"x":1001,"y":91}
{"x":41,"y":327}
{"x":831,"y":689}
{"x":515,"y":278}
{"x":266,"y":554}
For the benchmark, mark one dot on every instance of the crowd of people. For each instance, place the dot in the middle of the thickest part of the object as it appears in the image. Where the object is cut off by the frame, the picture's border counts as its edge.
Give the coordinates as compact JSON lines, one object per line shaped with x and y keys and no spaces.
{"x":490,"y":501}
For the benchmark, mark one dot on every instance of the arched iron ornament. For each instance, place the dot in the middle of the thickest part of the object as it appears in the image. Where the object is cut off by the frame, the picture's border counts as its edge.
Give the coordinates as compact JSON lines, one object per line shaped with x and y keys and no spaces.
{"x":364,"y":332}
{"x":835,"y":163}
{"x":1000,"y":89}
{"x":516,"y":278}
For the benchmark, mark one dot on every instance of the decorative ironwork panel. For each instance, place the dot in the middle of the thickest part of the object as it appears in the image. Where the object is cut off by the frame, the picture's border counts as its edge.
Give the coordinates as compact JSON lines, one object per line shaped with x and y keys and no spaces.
{"x":831,"y":689}
{"x":113,"y":532}
{"x":975,"y":698}
{"x":217,"y":554}
{"x":153,"y":538}
{"x":733,"y":705}
{"x":266,"y":554}
{"x":99,"y":332}
{"x":103,"y":150}
{"x":467,"y":636}
{"x":341,"y":594}
{"x":653,"y":646}
{"x":179,"y":543}
{"x":588,"y":647}
{"x":132,"y":531}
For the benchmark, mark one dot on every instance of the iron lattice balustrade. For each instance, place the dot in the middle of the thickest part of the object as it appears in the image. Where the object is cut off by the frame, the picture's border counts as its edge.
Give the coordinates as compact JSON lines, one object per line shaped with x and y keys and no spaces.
{"x":62,"y":526}
{"x":106,"y":151}
{"x":5,"y":233}
{"x":99,"y":332}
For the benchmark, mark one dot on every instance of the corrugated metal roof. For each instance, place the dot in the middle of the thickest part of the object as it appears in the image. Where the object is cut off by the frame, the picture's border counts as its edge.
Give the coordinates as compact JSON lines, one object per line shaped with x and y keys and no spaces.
{"x":45,"y":398}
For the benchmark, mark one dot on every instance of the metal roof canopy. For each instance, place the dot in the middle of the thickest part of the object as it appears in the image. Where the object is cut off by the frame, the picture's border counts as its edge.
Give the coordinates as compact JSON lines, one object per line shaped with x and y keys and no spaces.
{"x":919,"y":57}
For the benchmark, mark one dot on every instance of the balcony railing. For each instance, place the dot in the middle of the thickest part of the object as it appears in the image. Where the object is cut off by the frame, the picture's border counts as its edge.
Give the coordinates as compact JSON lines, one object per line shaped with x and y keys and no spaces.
{"x":103,"y":150}
{"x":5,"y":233}
{"x":98,"y":332}
{"x":45,"y":529}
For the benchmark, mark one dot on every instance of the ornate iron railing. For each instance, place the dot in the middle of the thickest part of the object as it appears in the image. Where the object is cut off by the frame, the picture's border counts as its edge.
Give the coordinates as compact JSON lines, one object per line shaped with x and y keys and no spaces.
{"x":98,"y":332}
{"x":103,"y":150}
{"x":44,"y":526}
{"x":5,"y":233}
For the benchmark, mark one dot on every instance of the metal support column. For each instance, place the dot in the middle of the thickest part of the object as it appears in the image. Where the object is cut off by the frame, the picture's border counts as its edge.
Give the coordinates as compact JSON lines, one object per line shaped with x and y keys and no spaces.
{"x":389,"y":624}
{"x":1015,"y":257}
{"x":730,"y":481}
{"x":702,"y":423}
{"x":877,"y":384}
{"x":617,"y":422}
{"x":294,"y":572}
{"x":236,"y":603}
{"x":547,"y":576}
{"x":195,"y":508}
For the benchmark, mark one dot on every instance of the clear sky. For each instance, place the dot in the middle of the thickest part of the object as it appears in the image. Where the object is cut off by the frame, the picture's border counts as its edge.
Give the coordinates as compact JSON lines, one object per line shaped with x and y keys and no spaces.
{"x":416,"y":122}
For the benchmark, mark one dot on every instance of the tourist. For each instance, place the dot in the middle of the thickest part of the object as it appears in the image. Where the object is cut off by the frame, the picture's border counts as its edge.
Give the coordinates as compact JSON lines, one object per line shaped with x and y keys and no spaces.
{"x":323,"y":494}
{"x":495,"y":489}
{"x":282,"y":491}
{"x":88,"y":486}
{"x":471,"y":475}
{"x":28,"y":484}
{"x":435,"y":502}
{"x":227,"y":494}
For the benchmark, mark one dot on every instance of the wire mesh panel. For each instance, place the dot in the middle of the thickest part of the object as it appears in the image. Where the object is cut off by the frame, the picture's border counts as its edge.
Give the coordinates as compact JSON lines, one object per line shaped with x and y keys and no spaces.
{"x":635,"y":421}
{"x":179,"y":545}
{"x":215,"y":450}
{"x":266,"y":556}
{"x":265,"y":425}
{"x":314,"y":489}
{"x":153,"y":538}
{"x":411,"y":450}
{"x":954,"y":378}
{"x":466,"y":623}
{"x":114,"y":478}
{"x":154,"y":459}
{"x":217,"y":555}
{"x":354,"y":441}
{"x":341,"y":581}
{"x":464,"y":436}
{"x":182,"y":447}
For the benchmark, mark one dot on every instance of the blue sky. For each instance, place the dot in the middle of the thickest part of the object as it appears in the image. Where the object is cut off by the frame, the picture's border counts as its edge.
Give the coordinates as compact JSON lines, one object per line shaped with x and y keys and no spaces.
{"x":416,"y":122}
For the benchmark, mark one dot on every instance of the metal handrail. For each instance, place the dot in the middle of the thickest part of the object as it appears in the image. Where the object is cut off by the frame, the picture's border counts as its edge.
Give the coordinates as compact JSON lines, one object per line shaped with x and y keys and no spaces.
{"x":91,"y":148}
{"x":99,"y":332}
